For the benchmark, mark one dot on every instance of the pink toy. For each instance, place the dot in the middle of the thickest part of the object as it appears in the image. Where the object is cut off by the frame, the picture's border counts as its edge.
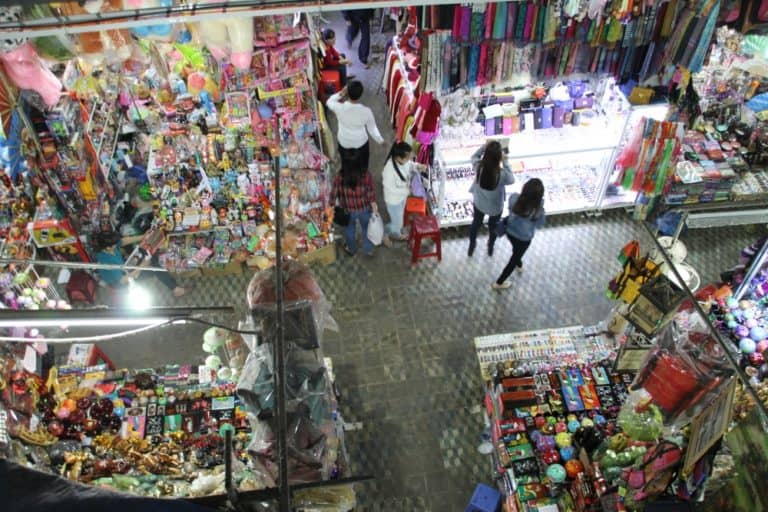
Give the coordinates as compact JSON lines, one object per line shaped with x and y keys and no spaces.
{"x":27,"y":71}
{"x":232,"y":35}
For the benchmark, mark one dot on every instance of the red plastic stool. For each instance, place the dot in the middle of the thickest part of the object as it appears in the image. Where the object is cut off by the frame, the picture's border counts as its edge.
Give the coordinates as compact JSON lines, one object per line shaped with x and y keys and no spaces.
{"x":414,"y":206}
{"x":330,"y":83}
{"x":424,"y":226}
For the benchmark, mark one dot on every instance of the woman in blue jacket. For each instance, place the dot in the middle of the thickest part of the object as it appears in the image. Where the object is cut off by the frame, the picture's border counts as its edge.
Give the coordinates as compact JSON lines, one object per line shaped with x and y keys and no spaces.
{"x":526,"y":214}
{"x":492,"y":174}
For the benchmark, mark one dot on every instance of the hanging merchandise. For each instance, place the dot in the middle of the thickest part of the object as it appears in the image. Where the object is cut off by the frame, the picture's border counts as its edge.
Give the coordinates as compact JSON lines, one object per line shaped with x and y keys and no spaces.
{"x":179,"y":141}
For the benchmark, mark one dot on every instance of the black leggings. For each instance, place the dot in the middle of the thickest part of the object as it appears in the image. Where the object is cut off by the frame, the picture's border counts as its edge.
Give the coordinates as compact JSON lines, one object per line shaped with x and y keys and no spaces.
{"x":477,"y":221}
{"x":518,"y":249}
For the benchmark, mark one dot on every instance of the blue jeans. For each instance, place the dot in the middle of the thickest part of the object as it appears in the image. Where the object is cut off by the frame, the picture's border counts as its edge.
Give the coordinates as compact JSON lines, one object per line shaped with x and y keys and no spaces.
{"x":396,"y":212}
{"x":362,"y":216}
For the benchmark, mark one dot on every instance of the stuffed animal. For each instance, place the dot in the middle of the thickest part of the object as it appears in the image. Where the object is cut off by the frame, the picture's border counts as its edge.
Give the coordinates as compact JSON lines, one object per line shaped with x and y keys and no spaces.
{"x":95,"y":45}
{"x":27,"y":71}
{"x":231,"y":36}
{"x":161,"y":32}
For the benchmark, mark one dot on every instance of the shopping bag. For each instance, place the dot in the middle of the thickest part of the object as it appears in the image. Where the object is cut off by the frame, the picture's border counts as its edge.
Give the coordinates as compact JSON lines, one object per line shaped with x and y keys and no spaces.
{"x":375,"y":229}
{"x":417,"y":186}
{"x":340,"y":216}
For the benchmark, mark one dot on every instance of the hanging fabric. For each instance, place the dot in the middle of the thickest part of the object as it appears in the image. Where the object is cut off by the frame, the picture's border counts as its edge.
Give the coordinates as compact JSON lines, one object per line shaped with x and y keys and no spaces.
{"x":500,"y":21}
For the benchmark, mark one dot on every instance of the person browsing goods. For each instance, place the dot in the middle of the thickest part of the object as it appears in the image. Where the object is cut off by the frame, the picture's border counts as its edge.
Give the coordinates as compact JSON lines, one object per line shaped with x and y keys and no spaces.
{"x":396,"y":180}
{"x":333,"y":59}
{"x":356,"y":124}
{"x":526,"y":214}
{"x":492,"y":175}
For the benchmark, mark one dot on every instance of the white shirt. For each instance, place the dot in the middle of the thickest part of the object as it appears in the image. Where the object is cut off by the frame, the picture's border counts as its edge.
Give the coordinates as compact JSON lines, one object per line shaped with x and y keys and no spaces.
{"x":396,"y":190}
{"x":356,"y":123}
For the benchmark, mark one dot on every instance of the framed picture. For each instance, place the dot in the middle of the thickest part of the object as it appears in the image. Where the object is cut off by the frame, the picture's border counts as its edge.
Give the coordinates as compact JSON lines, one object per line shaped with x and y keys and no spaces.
{"x":709,"y":426}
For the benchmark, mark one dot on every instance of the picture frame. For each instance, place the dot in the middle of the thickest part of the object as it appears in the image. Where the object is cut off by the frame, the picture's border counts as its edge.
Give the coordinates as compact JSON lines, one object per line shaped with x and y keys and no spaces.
{"x":709,"y":426}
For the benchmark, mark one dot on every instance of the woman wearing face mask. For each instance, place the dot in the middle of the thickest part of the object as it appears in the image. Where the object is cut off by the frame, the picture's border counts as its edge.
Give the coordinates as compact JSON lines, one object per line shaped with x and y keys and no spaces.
{"x":492,"y":174}
{"x":396,"y":178}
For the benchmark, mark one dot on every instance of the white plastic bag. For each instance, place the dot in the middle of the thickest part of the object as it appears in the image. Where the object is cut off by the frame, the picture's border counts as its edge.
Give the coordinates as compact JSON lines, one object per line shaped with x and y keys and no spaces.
{"x":376,"y":229}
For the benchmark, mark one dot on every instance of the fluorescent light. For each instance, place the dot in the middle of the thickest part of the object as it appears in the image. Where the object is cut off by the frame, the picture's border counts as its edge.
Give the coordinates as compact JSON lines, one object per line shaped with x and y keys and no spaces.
{"x":138,"y":296}
{"x":85,"y":322}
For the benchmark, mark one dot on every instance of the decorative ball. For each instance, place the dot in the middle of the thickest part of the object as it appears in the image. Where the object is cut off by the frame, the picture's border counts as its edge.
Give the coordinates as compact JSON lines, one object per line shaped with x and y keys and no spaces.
{"x":729,"y":317}
{"x":545,"y":443}
{"x":573,"y":467}
{"x":756,"y":358}
{"x":762,"y":346}
{"x":539,"y":421}
{"x":751,"y":323}
{"x":563,"y":439}
{"x":50,"y":304}
{"x":550,"y":457}
{"x":757,"y":333}
{"x":749,"y":313}
{"x":560,"y":426}
{"x":556,"y":473}
{"x":745,"y":304}
{"x":213,"y":361}
{"x":567,"y":453}
{"x":732,"y":303}
{"x":224,"y":373}
{"x":90,"y":425}
{"x":43,"y":282}
{"x":84,"y":403}
{"x":731,"y":324}
{"x":76,"y":416}
{"x":587,"y":422}
{"x":741,"y":331}
{"x":571,"y":417}
{"x":573,"y":425}
{"x":535,"y":436}
{"x":548,"y":429}
{"x":62,"y":413}
{"x":551,"y":420}
{"x":26,"y":292}
{"x":599,"y":420}
{"x":747,"y":345}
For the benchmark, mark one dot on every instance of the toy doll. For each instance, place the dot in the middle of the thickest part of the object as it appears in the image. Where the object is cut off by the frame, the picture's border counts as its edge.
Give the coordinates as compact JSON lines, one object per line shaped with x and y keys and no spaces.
{"x":243,"y":184}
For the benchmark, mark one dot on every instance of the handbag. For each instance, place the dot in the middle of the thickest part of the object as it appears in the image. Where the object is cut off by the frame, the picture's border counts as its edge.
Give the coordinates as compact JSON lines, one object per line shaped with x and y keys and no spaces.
{"x":340,"y":216}
{"x":501,"y":227}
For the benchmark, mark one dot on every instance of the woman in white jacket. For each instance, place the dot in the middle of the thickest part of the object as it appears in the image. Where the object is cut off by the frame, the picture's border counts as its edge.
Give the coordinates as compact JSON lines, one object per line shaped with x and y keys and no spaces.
{"x":396,"y":178}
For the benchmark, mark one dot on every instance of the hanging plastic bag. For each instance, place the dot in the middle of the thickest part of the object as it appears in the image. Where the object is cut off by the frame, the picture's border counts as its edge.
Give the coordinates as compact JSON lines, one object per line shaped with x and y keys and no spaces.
{"x":376,"y":229}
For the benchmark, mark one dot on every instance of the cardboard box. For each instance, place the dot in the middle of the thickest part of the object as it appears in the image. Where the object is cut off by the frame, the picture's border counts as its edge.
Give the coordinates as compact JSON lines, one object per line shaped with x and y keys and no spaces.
{"x":324,"y":256}
{"x":185,"y":274}
{"x":231,"y":268}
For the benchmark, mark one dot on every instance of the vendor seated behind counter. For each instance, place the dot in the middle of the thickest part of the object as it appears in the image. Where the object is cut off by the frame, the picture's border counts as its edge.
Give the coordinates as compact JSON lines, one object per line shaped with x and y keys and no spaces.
{"x":107,"y":245}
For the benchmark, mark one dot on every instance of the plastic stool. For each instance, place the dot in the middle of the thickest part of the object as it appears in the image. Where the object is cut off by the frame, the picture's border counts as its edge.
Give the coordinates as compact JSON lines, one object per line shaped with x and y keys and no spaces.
{"x":484,"y":499}
{"x":424,"y":226}
{"x":330,"y":79}
{"x":414,"y":206}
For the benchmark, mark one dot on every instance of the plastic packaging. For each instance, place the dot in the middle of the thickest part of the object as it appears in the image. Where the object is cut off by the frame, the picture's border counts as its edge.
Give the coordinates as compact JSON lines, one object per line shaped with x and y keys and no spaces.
{"x":307,"y":312}
{"x":331,"y":499}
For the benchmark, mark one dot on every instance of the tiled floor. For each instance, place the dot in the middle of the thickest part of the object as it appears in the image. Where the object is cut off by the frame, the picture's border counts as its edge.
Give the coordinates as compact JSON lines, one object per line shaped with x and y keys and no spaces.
{"x":403,"y":354}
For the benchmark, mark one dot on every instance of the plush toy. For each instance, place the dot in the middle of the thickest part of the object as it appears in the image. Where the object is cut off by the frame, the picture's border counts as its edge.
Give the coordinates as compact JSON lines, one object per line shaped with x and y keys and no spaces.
{"x":161,"y":32}
{"x":94,"y":46}
{"x":27,"y":71}
{"x":231,"y":36}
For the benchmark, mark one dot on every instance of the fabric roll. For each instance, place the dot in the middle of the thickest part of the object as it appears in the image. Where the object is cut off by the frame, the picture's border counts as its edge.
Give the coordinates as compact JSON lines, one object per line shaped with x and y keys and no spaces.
{"x":529,"y":14}
{"x":500,"y":21}
{"x":466,"y":23}
{"x":511,"y":13}
{"x":482,"y":65}
{"x":447,"y":64}
{"x":464,"y":66}
{"x":456,"y":31}
{"x":490,"y":14}
{"x":478,"y":26}
{"x":474,"y":60}
{"x":520,"y":22}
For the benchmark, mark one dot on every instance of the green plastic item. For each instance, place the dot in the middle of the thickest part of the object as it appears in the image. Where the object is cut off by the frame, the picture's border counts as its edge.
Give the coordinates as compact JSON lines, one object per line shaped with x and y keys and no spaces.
{"x":312,"y":230}
{"x":223,"y":429}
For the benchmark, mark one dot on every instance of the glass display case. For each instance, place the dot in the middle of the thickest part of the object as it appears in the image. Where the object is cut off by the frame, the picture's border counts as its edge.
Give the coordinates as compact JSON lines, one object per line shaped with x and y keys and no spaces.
{"x":576,"y":163}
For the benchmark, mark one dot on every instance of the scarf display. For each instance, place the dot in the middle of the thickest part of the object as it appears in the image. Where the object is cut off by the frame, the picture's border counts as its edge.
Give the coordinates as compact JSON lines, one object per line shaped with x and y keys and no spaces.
{"x":618,"y":37}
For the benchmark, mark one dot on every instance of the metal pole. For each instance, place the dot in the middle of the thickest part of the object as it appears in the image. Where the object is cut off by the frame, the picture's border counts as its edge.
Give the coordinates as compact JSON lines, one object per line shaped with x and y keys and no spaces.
{"x":727,"y":346}
{"x":279,"y":346}
{"x":76,"y":265}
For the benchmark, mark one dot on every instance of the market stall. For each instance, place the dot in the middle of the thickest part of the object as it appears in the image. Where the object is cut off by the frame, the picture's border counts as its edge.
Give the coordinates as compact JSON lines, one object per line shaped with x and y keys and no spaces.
{"x":163,"y":432}
{"x":174,"y":135}
{"x":648,"y":409}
